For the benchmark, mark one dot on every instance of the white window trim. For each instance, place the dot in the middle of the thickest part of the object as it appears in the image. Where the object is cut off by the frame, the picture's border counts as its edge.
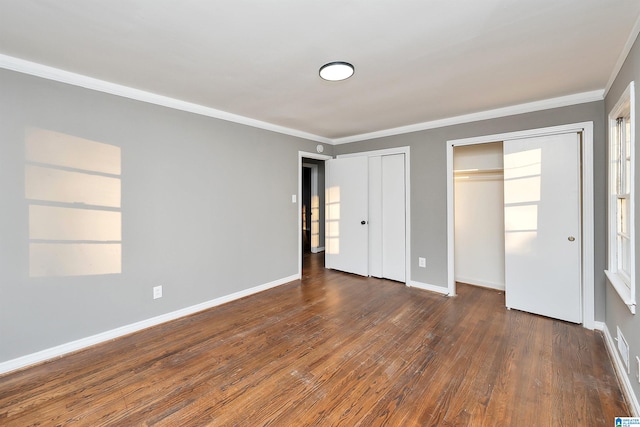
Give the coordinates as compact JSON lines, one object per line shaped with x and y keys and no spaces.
{"x":626,"y":293}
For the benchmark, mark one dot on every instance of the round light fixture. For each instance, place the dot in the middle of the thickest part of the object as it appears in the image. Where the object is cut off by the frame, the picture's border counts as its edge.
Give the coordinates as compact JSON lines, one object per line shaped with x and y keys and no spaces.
{"x":336,"y":71}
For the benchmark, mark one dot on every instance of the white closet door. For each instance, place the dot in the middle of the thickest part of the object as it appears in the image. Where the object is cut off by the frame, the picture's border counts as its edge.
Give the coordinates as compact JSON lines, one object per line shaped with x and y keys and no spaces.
{"x":542,"y":226}
{"x":346,"y":231}
{"x":375,"y":216}
{"x":393,"y":217}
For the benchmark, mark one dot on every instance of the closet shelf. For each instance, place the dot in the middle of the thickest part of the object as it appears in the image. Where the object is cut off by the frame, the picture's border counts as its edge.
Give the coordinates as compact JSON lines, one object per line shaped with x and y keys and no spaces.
{"x":478,"y":174}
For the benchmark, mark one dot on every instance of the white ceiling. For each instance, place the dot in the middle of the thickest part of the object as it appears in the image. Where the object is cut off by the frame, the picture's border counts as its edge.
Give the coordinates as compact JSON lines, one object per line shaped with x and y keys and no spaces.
{"x":416,"y":60}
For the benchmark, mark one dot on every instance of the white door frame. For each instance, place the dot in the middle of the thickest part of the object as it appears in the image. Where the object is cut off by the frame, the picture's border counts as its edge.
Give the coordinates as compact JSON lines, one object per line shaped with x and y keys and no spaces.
{"x":301,"y":155}
{"x":588,"y":263}
{"x":314,"y":193}
{"x":407,"y":208}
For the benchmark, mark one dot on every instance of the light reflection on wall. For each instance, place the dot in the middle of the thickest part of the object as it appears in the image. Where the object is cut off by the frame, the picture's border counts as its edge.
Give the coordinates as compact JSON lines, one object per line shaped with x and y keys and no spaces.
{"x":521,"y":199}
{"x":73,"y":187}
{"x":332,"y":214}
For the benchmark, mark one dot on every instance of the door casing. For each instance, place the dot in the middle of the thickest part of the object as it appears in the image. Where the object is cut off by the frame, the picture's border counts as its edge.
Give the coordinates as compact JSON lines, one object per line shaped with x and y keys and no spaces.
{"x":301,"y":156}
{"x":314,"y":221}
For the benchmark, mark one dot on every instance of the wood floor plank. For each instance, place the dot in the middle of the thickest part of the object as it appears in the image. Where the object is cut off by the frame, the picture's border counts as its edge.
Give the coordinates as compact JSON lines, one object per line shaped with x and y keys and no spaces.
{"x":333,"y":349}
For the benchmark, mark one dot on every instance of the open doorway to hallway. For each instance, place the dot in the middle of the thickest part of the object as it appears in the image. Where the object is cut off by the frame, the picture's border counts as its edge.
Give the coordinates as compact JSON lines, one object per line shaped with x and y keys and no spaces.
{"x":312,"y":207}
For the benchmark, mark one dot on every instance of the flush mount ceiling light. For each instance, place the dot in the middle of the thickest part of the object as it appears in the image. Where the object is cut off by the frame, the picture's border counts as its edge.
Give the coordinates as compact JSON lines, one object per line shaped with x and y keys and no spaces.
{"x":336,"y":71}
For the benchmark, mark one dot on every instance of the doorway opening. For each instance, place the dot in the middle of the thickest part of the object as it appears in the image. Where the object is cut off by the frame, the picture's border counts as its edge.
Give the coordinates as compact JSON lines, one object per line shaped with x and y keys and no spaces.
{"x":312,"y":206}
{"x":479,"y":215}
{"x":311,"y":213}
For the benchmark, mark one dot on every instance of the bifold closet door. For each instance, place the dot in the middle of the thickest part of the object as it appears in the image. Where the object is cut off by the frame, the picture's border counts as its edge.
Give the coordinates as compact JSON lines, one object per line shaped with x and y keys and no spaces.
{"x":365,"y":216}
{"x":375,"y":216}
{"x":393,"y":218}
{"x":387,"y":233}
{"x":542,"y":226}
{"x":346,"y":202}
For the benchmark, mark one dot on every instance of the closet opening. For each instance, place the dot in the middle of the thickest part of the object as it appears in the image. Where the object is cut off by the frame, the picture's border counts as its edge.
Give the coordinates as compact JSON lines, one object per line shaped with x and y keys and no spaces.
{"x":479,"y":215}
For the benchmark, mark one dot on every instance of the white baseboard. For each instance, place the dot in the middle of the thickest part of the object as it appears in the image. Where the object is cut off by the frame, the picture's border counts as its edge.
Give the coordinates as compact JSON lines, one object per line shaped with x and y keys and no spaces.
{"x":619,"y":368}
{"x":317,"y":250}
{"x":481,"y":283}
{"x":61,"y":350}
{"x":432,"y":288}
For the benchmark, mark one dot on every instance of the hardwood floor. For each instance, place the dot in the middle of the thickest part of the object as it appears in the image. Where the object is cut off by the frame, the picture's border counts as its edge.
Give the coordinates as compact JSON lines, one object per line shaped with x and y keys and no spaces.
{"x":334,"y":349}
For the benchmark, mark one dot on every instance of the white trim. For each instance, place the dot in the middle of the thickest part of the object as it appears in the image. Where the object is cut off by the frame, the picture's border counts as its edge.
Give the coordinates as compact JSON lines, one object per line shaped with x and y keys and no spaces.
{"x":529,"y":133}
{"x":588,"y":225}
{"x":407,"y":182}
{"x":620,"y":370}
{"x":588,"y":262}
{"x":626,"y":293}
{"x":407,"y":189}
{"x":372,"y":153}
{"x":61,"y":350}
{"x":623,"y":55}
{"x":301,"y":155}
{"x":621,"y":288}
{"x":563,"y":101}
{"x":315,"y":156}
{"x":317,"y":250}
{"x":428,"y":287}
{"x":314,"y":193}
{"x":451,"y":231}
{"x":55,"y":74}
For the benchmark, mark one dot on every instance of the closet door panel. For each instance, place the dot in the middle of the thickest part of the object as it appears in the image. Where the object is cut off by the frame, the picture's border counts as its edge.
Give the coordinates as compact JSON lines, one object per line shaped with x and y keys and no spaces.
{"x":375,"y":216}
{"x":346,"y":238}
{"x":542,"y":226}
{"x":393,"y":218}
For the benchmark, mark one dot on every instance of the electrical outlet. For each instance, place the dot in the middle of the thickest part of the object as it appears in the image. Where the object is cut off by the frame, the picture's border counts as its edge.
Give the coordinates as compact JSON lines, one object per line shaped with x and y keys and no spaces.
{"x":157,"y":292}
{"x":422,"y":262}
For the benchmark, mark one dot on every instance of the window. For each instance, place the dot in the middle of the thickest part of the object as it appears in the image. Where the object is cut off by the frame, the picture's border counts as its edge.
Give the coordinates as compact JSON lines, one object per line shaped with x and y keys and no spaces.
{"x":621,"y":268}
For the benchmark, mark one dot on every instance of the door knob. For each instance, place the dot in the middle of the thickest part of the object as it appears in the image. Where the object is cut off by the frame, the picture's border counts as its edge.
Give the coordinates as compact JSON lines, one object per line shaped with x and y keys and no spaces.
{"x":363,"y":222}
{"x":571,"y":238}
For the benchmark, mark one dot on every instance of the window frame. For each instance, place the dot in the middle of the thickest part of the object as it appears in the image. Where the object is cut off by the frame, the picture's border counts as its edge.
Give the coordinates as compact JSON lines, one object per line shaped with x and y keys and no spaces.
{"x":620,"y":190}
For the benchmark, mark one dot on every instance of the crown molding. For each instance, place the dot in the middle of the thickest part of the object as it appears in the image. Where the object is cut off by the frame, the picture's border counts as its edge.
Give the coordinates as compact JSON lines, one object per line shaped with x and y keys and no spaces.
{"x":563,"y":101}
{"x":623,"y":55}
{"x":56,"y":74}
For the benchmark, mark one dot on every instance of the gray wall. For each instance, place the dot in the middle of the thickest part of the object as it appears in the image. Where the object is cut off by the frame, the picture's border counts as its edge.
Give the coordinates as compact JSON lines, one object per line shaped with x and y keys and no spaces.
{"x":429,"y":183}
{"x":197,"y":216}
{"x":194,"y":214}
{"x":617,"y":313}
